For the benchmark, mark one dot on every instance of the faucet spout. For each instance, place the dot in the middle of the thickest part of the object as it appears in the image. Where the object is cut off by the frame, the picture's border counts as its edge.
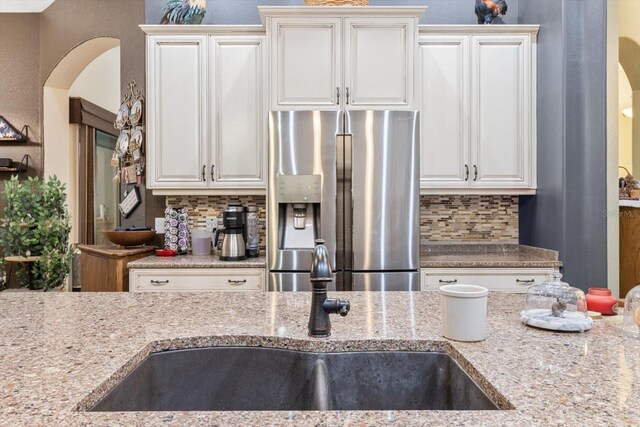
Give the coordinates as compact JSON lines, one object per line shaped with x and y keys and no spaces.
{"x":321,"y":306}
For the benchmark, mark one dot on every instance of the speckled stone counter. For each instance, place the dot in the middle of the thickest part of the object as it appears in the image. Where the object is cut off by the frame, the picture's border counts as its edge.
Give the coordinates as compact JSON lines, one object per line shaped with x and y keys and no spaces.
{"x":487,"y":256}
{"x":196,"y":261}
{"x":60,"y":351}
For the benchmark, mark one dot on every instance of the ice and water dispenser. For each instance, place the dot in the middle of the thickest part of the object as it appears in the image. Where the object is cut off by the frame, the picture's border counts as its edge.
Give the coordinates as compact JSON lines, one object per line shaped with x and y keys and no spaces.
{"x":298,"y":198}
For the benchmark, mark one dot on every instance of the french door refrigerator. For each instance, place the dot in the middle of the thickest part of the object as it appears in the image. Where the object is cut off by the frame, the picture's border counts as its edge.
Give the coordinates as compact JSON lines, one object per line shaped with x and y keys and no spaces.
{"x":350,"y":178}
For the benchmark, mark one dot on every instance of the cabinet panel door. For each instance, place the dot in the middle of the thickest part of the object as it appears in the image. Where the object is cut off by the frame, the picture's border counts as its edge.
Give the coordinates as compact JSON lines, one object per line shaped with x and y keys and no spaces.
{"x":500,"y":111}
{"x":305,"y":61}
{"x":379,"y":63}
{"x":177,"y":111}
{"x":443,"y":102}
{"x":239,"y":113}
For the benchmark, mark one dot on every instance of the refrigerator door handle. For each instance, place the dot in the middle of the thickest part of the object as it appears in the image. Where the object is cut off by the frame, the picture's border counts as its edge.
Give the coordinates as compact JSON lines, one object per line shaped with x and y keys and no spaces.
{"x":348,"y":204}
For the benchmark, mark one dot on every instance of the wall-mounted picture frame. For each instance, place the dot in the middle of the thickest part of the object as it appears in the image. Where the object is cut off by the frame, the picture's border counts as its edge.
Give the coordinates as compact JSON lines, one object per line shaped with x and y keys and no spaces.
{"x":131,"y":202}
{"x":9,"y":134}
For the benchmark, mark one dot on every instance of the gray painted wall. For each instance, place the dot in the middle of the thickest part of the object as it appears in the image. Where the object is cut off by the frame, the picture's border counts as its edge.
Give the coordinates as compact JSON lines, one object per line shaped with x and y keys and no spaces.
{"x":568,"y":213}
{"x":246,"y":11}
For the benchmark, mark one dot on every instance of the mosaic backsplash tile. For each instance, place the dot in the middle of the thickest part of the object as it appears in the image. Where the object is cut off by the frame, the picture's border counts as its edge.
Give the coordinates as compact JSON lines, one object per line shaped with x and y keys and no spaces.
{"x":486,"y":219}
{"x":201,"y":207}
{"x":454,"y":219}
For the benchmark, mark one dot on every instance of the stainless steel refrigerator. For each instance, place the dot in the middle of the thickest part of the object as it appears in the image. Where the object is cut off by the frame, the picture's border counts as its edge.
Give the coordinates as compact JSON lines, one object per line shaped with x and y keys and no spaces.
{"x":350,"y":178}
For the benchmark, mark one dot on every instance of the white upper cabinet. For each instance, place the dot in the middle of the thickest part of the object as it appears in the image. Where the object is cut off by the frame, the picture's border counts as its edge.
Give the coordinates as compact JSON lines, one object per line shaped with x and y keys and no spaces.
{"x":443,"y":64}
{"x":239,"y":138}
{"x":176,"y":111}
{"x":379,"y":67}
{"x":477,"y":100}
{"x":207,"y":108}
{"x":342,"y":58}
{"x":305,"y":69}
{"x":501,"y":139}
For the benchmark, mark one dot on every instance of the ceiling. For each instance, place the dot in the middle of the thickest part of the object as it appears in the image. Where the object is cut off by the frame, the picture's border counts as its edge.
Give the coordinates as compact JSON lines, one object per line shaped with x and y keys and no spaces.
{"x":24,"y":6}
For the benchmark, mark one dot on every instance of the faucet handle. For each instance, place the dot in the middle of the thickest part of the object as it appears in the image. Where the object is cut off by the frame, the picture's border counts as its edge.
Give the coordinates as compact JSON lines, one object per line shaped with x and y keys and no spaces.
{"x":345,"y":306}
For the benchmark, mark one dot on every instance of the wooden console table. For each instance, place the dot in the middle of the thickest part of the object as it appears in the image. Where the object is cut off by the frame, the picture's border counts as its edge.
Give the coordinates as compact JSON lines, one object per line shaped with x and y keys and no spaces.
{"x":104,"y":268}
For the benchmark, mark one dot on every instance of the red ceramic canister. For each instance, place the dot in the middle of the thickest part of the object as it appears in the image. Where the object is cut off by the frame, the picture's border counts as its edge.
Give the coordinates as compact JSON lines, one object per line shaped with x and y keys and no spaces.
{"x":601,"y":300}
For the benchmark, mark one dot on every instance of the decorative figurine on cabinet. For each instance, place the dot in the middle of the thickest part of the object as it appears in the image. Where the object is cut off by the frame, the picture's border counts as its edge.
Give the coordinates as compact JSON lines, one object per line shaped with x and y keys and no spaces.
{"x":488,"y":10}
{"x":183,"y":11}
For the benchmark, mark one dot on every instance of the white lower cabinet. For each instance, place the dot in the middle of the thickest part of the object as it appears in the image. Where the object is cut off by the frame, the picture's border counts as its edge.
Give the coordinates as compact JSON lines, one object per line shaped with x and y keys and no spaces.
{"x":196,"y":280}
{"x":494,"y":279}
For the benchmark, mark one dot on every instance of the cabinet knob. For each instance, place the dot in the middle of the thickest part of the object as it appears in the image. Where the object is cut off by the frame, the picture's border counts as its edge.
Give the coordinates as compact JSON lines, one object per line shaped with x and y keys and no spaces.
{"x":237,"y":282}
{"x":159,"y":282}
{"x":448,"y":281}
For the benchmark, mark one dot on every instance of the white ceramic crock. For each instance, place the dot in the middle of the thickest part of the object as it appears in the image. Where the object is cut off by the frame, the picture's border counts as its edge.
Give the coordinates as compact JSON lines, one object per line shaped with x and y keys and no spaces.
{"x":464,"y":312}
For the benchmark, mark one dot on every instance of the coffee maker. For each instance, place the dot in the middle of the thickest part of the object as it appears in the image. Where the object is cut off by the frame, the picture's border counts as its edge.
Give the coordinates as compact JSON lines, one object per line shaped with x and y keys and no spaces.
{"x":233,"y":243}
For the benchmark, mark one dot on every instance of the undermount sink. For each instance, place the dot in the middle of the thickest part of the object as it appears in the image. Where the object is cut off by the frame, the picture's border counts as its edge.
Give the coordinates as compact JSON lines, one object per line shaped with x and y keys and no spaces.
{"x":264,"y":379}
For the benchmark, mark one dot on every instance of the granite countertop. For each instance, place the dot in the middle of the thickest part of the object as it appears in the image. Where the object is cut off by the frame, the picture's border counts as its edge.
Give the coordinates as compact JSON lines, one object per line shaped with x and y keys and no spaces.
{"x":60,"y":351}
{"x":487,"y":256}
{"x":196,"y":261}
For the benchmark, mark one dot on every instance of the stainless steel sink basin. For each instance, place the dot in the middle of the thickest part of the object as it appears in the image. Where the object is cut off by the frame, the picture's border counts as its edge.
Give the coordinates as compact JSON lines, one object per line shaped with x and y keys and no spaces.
{"x":263,"y":379}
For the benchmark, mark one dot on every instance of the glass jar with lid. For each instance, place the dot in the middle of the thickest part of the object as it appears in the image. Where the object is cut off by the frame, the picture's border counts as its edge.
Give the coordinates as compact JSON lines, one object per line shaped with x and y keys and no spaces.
{"x":631,"y":317}
{"x":555,"y":305}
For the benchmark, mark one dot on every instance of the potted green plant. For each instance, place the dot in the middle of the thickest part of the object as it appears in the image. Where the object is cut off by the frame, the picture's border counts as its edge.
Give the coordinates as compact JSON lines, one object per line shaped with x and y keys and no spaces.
{"x":36,"y":224}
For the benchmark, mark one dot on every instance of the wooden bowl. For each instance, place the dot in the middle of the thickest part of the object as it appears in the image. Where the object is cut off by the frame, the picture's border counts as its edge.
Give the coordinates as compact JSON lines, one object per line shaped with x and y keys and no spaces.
{"x":129,"y":238}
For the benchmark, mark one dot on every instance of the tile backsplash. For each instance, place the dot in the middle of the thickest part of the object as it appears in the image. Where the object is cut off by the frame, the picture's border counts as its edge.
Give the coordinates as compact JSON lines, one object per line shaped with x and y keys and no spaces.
{"x":452,"y":219}
{"x":455,"y":219}
{"x":201,"y":207}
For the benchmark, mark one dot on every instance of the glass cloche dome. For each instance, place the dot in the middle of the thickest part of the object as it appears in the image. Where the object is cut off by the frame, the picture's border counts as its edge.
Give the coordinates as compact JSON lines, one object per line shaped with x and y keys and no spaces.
{"x":555,"y":305}
{"x":631,"y":318}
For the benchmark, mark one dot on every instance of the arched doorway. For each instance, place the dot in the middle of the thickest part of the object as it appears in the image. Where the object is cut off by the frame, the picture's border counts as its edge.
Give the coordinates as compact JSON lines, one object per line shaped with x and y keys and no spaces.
{"x":60,"y":147}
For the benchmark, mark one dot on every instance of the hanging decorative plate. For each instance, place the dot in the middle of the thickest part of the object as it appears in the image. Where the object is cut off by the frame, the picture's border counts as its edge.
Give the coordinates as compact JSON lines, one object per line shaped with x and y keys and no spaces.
{"x":123,"y":143}
{"x":136,"y":140}
{"x":123,"y":116}
{"x":136,"y":112}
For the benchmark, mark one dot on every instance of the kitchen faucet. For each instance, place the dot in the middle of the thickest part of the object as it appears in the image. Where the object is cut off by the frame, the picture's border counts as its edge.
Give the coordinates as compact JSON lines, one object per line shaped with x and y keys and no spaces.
{"x":321,"y":306}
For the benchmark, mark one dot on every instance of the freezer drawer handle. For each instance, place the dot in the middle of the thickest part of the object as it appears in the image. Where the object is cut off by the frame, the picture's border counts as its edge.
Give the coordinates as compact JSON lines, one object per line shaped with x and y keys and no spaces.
{"x":159,"y":282}
{"x":525,"y":282}
{"x":448,"y":281}
{"x":237,"y":282}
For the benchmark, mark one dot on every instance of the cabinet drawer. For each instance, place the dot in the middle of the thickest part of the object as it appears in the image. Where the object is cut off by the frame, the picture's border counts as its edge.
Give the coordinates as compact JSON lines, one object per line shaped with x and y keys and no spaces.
{"x":196,"y":280}
{"x":500,"y":280}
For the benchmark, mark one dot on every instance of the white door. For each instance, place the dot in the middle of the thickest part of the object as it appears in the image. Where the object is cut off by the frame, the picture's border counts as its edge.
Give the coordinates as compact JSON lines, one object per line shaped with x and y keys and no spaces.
{"x":500,"y":111}
{"x":443,"y":99}
{"x":238,"y":150}
{"x":177,"y":111}
{"x":379,"y":63}
{"x":305,"y":63}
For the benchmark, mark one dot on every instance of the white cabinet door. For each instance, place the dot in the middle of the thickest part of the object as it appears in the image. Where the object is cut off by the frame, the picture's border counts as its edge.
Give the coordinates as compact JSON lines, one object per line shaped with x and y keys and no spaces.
{"x":379,"y":63}
{"x":305,"y":63}
{"x":238,"y":144}
{"x":500,"y":111}
{"x":443,"y":99}
{"x":177,"y":111}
